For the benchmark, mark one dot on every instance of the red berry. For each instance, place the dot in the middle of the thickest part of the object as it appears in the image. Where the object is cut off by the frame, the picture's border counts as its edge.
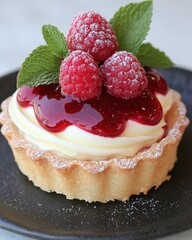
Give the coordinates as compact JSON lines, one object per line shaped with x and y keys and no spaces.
{"x":80,"y":76}
{"x":92,"y":33}
{"x":123,"y":75}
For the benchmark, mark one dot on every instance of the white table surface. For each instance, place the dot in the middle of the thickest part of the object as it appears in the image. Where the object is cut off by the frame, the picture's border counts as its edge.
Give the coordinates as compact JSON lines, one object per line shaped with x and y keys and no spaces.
{"x":20,"y":33}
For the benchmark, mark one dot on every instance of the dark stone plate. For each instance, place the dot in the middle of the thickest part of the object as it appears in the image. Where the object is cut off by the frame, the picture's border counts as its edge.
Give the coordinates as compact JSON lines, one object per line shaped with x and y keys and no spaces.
{"x":27,"y":210}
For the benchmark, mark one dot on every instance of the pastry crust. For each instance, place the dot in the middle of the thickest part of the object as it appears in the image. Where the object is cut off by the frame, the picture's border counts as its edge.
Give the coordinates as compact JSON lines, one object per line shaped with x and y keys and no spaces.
{"x":114,"y":179}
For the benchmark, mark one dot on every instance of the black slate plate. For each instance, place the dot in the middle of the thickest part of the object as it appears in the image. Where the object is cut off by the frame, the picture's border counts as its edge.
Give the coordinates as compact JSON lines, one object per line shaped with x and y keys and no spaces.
{"x":27,"y":210}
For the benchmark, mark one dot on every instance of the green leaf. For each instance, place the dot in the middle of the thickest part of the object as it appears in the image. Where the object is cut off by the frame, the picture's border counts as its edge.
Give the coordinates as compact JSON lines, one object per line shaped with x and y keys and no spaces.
{"x":55,"y":40}
{"x":153,"y":57}
{"x":41,"y":67}
{"x":131,"y":24}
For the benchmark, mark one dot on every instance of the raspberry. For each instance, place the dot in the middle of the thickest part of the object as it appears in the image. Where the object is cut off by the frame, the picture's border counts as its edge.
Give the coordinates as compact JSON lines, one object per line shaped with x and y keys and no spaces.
{"x":123,"y":75}
{"x":80,"y":76}
{"x":91,"y":33}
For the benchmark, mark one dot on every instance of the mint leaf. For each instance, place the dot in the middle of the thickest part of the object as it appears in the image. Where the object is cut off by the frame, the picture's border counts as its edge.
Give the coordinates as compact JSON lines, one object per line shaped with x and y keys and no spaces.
{"x":41,"y":67}
{"x":55,"y":40}
{"x":131,"y":24}
{"x":153,"y":57}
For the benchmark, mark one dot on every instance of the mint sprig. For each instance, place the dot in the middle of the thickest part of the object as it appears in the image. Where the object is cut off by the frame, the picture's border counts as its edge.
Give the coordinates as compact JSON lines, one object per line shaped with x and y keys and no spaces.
{"x":41,"y":67}
{"x":131,"y":24}
{"x":43,"y":64}
{"x":55,"y":40}
{"x":153,"y":57}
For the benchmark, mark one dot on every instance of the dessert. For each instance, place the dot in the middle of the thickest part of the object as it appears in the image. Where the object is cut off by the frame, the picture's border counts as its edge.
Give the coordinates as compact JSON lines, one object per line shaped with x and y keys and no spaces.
{"x":91,"y":118}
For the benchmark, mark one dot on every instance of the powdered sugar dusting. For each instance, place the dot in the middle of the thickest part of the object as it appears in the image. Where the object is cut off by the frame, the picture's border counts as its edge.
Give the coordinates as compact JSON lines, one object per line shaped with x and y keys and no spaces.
{"x":123,"y":75}
{"x":90,"y":32}
{"x":80,"y":76}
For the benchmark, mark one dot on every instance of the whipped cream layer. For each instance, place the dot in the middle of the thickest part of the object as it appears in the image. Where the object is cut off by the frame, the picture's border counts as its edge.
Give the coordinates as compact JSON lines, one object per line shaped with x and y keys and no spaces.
{"x":75,"y":143}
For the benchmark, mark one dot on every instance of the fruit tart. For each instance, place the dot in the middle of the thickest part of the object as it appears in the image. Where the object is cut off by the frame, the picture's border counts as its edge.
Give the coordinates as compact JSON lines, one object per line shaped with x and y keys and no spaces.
{"x":92,"y":119}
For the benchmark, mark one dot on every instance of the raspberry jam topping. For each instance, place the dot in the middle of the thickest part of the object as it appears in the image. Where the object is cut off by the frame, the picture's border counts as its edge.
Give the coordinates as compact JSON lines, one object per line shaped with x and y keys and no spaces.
{"x":105,"y":116}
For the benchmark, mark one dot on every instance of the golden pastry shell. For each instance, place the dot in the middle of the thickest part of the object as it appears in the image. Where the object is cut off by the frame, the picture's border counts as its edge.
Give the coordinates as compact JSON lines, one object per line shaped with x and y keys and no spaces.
{"x":103,"y":180}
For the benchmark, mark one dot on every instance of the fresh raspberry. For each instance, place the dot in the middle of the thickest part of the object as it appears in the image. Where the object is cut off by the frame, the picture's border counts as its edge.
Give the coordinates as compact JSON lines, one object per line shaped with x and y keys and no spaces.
{"x":92,"y":33}
{"x":80,"y":76}
{"x":123,"y":75}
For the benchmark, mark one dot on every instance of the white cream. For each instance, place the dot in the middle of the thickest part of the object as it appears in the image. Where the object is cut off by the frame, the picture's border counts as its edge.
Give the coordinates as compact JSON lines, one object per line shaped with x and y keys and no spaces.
{"x":75,"y":143}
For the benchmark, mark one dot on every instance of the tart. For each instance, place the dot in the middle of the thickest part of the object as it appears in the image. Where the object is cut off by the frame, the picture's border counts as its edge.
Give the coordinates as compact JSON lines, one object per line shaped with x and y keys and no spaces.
{"x":96,"y":126}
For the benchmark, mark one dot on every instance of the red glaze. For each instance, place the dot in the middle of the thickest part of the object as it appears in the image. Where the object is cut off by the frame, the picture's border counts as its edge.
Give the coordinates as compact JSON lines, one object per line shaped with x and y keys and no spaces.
{"x":105,"y":116}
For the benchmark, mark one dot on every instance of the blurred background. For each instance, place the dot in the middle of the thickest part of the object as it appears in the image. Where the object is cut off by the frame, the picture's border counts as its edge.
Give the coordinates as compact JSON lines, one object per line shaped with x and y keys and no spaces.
{"x":21,"y":22}
{"x":20,"y":33}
